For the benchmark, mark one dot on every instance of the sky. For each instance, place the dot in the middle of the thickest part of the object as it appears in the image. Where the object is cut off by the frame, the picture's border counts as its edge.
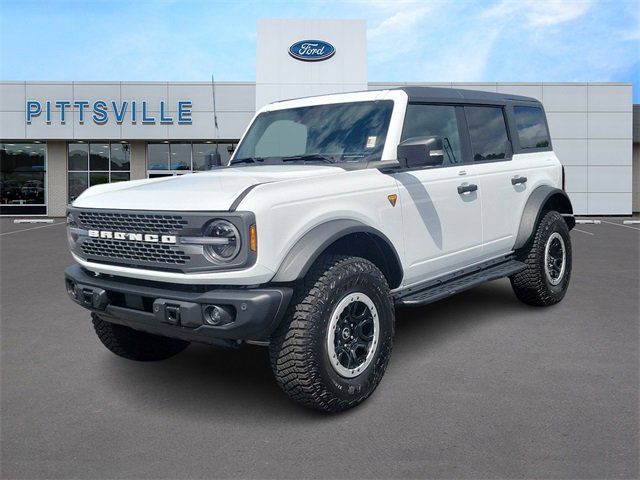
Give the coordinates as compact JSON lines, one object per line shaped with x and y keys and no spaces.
{"x":430,"y":41}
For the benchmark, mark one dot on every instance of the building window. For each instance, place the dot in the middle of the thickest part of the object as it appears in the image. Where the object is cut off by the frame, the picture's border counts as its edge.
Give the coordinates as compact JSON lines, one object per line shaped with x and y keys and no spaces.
{"x":180,"y":156}
{"x":91,"y":164}
{"x":23,"y":179}
{"x":176,"y":158}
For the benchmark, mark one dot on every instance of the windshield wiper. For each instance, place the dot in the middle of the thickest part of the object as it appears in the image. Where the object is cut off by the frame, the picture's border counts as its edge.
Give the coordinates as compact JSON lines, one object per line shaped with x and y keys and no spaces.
{"x":311,"y":157}
{"x":246,"y":160}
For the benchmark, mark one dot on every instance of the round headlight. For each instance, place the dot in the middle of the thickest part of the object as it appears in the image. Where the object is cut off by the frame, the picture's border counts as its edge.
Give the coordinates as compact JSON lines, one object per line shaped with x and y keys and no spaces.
{"x":227,"y":241}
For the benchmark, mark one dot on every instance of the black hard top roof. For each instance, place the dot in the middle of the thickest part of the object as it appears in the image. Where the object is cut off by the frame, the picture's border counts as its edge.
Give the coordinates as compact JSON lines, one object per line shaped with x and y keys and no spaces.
{"x":458,"y":95}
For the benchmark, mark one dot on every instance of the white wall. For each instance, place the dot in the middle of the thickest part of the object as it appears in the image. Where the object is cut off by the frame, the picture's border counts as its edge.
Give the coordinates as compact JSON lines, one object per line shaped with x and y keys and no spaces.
{"x":279,"y":76}
{"x":56,"y":178}
{"x":591,"y":132}
{"x":591,"y":123}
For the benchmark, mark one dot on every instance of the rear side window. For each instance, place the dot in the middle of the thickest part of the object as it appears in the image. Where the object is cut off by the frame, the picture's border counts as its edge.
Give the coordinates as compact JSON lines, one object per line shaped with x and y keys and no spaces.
{"x":435,"y":120}
{"x":488,"y":132}
{"x":532,"y":129}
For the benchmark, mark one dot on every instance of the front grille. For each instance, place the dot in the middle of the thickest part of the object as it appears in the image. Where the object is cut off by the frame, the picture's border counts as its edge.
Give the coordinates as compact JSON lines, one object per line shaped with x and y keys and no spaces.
{"x":137,"y":252}
{"x":143,"y":252}
{"x":132,"y":222}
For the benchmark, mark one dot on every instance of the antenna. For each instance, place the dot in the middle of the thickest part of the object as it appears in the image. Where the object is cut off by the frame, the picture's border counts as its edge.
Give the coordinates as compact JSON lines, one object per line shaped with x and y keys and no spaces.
{"x":215,"y":160}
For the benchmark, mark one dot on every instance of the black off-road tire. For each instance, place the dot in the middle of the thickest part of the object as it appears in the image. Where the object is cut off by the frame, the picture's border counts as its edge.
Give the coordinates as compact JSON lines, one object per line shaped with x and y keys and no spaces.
{"x":135,"y":345}
{"x":298,"y":349}
{"x":532,"y":285}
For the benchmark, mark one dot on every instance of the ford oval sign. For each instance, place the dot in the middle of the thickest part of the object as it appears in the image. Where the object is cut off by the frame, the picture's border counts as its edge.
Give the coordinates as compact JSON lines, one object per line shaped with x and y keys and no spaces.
{"x":311,"y":50}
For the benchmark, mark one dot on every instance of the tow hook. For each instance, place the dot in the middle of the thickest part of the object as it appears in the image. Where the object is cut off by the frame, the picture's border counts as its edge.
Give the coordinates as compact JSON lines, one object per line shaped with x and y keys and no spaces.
{"x":185,"y":314}
{"x":91,"y":297}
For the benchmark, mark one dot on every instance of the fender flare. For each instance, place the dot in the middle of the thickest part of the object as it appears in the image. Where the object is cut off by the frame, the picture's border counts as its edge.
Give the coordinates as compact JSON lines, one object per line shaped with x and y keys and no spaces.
{"x":534,"y":207}
{"x":312,"y":244}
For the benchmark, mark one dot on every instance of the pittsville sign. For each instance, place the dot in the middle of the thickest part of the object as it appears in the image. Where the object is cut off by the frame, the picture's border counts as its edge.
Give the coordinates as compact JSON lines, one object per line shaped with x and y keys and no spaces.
{"x":101,"y":112}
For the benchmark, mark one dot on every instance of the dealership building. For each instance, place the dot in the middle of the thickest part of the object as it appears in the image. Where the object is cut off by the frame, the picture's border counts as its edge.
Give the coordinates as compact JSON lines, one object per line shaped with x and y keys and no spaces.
{"x":58,"y":138}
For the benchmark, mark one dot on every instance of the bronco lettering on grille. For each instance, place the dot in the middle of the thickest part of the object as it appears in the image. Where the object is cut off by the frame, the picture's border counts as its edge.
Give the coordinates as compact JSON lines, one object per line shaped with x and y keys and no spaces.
{"x":133,"y":237}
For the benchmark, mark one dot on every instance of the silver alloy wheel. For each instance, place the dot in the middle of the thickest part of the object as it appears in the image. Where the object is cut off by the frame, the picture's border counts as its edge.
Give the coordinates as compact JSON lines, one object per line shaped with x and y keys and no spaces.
{"x":555,"y":258}
{"x":353,"y":334}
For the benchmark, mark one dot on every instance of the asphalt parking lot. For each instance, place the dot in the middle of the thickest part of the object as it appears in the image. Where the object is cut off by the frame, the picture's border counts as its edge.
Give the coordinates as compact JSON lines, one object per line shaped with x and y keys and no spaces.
{"x":479,"y":386}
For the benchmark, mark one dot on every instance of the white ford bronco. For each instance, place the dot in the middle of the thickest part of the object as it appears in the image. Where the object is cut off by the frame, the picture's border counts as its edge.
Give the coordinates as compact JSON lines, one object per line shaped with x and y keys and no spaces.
{"x":333,"y":211}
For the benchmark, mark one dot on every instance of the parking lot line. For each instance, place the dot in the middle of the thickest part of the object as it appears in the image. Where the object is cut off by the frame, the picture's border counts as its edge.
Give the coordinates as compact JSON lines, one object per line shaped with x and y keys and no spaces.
{"x":34,"y":220}
{"x":620,"y":225}
{"x":32,"y":228}
{"x":582,"y":231}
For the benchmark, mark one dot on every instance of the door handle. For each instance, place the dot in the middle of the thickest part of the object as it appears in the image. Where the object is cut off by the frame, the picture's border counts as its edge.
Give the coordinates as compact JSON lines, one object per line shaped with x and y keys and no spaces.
{"x":467,"y":188}
{"x":518,"y":180}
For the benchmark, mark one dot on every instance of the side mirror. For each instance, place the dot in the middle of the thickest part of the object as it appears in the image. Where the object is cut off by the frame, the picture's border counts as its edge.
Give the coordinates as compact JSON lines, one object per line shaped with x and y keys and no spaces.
{"x":418,"y":152}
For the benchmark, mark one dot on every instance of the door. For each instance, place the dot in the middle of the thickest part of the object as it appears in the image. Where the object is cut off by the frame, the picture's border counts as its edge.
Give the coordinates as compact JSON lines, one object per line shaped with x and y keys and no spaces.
{"x":491,"y":152}
{"x":440,"y":206}
{"x":504,"y":179}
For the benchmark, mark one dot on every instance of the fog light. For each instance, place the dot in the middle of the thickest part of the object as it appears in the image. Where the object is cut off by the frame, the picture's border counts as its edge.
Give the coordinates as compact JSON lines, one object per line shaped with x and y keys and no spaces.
{"x":218,"y":315}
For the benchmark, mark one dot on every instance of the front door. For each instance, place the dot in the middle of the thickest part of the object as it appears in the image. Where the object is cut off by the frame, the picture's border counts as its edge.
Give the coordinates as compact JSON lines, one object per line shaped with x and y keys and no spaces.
{"x":441,"y":208}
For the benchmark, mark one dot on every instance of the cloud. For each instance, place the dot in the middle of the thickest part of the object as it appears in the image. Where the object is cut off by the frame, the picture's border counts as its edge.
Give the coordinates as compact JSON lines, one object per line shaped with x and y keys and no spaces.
{"x":399,"y":22}
{"x":478,"y":48}
{"x":540,"y":13}
{"x":396,"y":31}
{"x":441,"y":41}
{"x":467,"y":58}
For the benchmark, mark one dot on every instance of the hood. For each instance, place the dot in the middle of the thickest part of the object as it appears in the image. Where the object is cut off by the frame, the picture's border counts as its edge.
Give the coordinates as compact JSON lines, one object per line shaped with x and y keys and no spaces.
{"x":205,"y":191}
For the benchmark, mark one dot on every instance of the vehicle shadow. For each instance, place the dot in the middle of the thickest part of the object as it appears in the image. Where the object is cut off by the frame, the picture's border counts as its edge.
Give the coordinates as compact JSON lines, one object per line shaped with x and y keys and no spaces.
{"x":207,"y":383}
{"x":423,"y":202}
{"x":422,"y":327}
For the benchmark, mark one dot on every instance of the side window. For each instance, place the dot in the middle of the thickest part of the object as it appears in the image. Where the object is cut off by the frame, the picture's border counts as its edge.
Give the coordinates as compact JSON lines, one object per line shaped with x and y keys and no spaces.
{"x":532,"y":129}
{"x":488,"y":133}
{"x":430,"y":120}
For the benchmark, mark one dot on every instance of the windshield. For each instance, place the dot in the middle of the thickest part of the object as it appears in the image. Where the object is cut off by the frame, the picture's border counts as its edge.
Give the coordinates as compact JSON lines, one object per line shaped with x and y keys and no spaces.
{"x":342,"y":132}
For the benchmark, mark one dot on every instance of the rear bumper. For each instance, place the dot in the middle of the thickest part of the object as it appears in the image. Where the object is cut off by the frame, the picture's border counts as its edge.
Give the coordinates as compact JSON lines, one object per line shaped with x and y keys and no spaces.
{"x":180,"y":311}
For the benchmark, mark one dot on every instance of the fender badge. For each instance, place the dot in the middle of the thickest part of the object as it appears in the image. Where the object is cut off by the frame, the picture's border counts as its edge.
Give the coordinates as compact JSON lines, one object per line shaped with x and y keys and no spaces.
{"x":392,"y":199}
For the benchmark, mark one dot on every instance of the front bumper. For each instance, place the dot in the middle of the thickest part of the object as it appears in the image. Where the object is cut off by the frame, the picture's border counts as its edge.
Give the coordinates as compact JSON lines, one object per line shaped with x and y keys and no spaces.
{"x":180,"y":311}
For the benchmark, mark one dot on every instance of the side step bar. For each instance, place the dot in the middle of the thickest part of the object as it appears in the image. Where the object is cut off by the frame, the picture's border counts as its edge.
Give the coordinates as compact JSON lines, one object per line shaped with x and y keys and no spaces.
{"x":452,"y":284}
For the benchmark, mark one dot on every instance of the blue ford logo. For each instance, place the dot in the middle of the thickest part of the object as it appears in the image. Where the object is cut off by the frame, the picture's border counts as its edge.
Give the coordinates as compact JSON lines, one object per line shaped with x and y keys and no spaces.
{"x":311,"y":50}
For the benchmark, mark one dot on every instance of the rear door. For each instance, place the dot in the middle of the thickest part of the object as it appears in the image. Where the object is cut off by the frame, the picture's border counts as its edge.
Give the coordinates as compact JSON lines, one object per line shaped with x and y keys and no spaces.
{"x":442,"y":225}
{"x":492,"y":155}
{"x":505,"y":179}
